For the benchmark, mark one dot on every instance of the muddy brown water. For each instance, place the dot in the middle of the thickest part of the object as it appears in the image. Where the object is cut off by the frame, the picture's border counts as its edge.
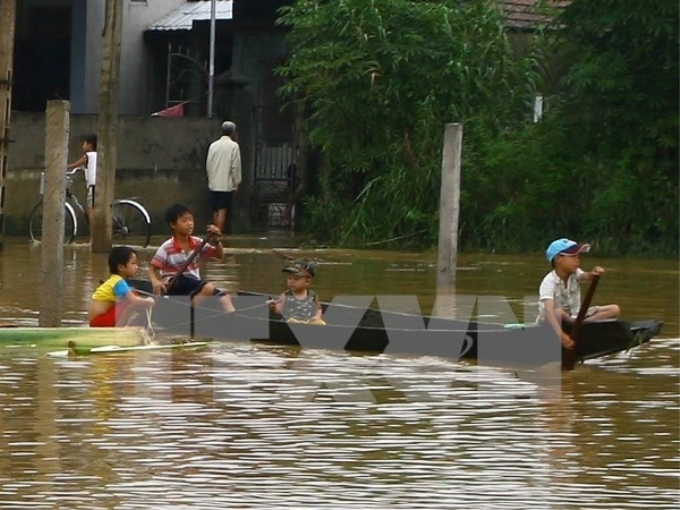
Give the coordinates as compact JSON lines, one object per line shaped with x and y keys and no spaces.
{"x":252,"y":426}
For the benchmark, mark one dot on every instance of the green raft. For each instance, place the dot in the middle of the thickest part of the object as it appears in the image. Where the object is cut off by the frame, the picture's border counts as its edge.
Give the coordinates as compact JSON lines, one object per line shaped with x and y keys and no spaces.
{"x":76,"y":350}
{"x":82,"y":337}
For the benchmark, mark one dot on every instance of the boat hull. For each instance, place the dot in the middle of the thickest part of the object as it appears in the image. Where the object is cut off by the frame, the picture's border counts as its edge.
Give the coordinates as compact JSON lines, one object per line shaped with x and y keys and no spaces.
{"x":371,"y":330}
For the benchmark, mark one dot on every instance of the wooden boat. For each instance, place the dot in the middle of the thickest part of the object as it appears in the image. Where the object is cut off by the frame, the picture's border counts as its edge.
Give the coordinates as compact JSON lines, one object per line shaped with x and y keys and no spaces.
{"x":368,"y":329}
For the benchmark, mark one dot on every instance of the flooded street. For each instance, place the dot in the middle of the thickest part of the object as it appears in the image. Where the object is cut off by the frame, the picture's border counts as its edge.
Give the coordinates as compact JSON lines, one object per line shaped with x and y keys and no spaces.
{"x":242,"y":425}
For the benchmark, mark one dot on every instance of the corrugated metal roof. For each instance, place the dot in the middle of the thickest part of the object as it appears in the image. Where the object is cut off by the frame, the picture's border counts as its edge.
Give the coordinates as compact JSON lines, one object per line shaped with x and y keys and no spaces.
{"x":520,"y":14}
{"x":530,"y":14}
{"x":183,"y":17}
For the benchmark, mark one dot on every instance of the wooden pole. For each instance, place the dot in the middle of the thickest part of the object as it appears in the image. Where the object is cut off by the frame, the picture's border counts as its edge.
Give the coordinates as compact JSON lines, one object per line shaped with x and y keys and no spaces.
{"x":449,"y":202}
{"x":107,"y":127}
{"x":52,"y":253}
{"x":7,"y":22}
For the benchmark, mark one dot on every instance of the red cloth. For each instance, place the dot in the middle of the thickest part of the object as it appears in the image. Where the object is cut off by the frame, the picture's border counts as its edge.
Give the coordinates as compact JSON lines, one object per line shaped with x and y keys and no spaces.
{"x":172,"y":111}
{"x":108,"y":319}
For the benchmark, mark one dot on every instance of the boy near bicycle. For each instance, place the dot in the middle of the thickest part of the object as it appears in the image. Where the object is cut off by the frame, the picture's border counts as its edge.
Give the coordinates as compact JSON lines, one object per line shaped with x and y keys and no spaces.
{"x":88,"y":162}
{"x":174,"y":269}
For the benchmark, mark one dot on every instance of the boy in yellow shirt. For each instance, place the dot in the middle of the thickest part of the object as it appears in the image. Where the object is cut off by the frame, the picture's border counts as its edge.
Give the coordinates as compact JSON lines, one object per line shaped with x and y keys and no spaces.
{"x":114,"y":300}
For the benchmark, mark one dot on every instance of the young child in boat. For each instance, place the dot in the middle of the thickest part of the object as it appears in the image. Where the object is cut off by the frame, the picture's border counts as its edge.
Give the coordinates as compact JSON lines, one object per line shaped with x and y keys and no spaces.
{"x":173,"y":254}
{"x":299,"y":303}
{"x":560,"y":293}
{"x":114,"y":301}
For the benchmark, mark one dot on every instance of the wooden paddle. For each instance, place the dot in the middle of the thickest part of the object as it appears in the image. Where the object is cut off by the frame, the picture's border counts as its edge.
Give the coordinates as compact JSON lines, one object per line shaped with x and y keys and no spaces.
{"x":288,"y":258}
{"x":569,"y":358}
{"x":180,"y":271}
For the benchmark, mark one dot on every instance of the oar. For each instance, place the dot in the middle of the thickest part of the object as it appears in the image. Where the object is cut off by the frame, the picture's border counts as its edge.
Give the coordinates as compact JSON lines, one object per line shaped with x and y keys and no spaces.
{"x":180,"y":271}
{"x":569,"y":358}
{"x":288,"y":258}
{"x":173,"y":280}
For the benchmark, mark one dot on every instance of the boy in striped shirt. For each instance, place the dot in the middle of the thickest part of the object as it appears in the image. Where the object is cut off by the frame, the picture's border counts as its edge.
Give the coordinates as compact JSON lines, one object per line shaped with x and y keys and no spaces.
{"x":172,"y":255}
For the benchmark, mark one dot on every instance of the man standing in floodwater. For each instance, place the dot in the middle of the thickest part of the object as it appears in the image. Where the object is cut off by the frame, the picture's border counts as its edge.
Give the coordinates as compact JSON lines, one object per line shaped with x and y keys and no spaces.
{"x":223,"y":166}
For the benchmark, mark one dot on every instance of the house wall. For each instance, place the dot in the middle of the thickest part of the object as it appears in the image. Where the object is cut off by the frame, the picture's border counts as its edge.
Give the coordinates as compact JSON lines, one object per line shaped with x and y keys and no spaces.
{"x":160,"y":160}
{"x":135,"y":55}
{"x":86,"y":44}
{"x":91,"y":65}
{"x":79,"y":57}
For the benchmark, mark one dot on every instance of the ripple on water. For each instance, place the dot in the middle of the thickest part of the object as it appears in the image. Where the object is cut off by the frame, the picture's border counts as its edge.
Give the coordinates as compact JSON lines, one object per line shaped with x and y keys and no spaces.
{"x":241,"y":426}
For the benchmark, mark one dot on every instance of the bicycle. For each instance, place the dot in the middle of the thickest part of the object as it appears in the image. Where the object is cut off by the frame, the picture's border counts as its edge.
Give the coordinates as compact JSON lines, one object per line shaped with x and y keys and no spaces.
{"x":130,"y":220}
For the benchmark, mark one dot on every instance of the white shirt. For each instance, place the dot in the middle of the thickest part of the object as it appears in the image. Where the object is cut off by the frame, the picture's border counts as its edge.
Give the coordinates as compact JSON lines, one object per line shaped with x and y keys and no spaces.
{"x":91,"y":168}
{"x":223,"y":165}
{"x":568,"y":297}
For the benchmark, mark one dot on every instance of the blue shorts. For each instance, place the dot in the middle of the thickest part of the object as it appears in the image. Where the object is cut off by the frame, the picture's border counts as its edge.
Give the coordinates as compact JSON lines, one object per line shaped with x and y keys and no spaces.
{"x":188,"y":286}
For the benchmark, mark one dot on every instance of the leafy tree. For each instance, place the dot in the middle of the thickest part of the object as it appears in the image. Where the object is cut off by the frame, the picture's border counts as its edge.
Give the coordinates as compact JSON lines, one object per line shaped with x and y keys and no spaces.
{"x":603,"y":163}
{"x":381,"y":78}
{"x":625,"y":70}
{"x":620,"y":107}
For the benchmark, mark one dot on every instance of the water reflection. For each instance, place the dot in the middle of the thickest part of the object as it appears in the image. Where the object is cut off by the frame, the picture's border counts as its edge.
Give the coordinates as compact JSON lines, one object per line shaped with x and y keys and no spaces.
{"x":253,"y":426}
{"x":649,"y":292}
{"x":217,"y":428}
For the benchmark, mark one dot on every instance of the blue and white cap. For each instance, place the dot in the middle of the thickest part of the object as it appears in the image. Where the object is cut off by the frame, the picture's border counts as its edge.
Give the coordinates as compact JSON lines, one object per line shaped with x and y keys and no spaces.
{"x":565,"y":247}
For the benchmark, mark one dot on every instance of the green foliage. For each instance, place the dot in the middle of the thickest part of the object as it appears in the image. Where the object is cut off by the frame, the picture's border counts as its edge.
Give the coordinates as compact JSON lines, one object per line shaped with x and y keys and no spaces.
{"x":625,"y":71}
{"x":620,"y":105}
{"x":383,"y":77}
{"x":537,"y":186}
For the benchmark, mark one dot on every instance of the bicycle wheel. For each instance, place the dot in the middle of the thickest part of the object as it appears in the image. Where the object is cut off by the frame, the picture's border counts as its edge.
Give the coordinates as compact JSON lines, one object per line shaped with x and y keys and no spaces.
{"x":131,"y":223}
{"x":35,"y":223}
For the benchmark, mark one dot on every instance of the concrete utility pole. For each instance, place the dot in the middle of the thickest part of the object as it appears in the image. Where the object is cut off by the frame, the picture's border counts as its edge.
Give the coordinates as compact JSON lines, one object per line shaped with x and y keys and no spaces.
{"x":7,"y":22}
{"x":449,"y":206}
{"x":211,"y":66}
{"x":107,"y":127}
{"x":52,"y":249}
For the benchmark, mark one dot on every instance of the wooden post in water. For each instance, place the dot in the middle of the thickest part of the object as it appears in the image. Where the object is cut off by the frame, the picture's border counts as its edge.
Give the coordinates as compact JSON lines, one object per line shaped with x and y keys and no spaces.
{"x":107,"y":127}
{"x":449,"y":206}
{"x":7,"y":23}
{"x":52,"y":250}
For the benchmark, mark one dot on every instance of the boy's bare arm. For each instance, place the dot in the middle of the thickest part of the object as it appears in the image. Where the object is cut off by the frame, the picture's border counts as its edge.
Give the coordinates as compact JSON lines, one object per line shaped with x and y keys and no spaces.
{"x":219,"y":249}
{"x":277,"y":304}
{"x":217,"y":242}
{"x":156,"y":282}
{"x":597,"y":271}
{"x":140,"y":301}
{"x":319,"y":310}
{"x":79,"y":163}
{"x":551,"y":316}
